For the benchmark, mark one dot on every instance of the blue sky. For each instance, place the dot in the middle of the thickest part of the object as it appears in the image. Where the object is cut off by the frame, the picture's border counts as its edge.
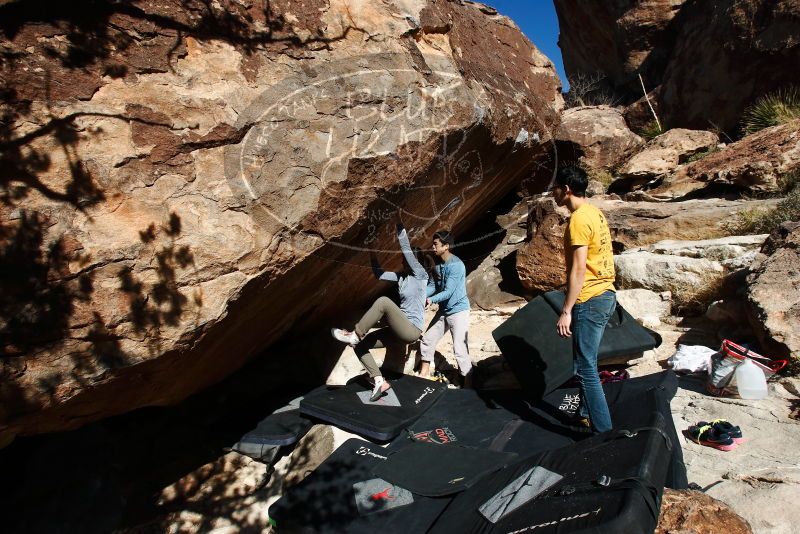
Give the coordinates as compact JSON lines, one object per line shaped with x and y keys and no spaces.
{"x":537,"y":19}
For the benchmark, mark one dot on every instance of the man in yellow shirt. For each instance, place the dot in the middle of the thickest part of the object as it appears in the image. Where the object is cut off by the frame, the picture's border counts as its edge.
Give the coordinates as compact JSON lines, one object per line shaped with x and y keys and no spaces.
{"x":591,"y":297}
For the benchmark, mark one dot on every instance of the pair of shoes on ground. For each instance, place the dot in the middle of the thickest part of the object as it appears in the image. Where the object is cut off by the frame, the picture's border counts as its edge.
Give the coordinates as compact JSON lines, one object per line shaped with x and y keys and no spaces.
{"x":345,"y":336}
{"x":718,"y":434}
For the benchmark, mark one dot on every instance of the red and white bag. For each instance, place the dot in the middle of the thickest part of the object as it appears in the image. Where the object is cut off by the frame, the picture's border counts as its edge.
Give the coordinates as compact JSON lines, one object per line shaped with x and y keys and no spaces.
{"x":724,"y":363}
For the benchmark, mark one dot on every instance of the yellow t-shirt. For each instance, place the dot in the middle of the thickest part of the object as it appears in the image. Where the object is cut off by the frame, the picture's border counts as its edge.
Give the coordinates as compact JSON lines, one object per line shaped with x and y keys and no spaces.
{"x":588,"y":226}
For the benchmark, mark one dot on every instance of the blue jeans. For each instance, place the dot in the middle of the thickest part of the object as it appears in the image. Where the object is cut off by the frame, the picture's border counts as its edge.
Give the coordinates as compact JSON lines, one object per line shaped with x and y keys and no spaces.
{"x":589,"y":321}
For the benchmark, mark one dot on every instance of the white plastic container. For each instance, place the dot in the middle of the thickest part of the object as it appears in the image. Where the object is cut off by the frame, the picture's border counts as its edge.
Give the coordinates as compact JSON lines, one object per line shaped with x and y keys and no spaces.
{"x":750,"y":380}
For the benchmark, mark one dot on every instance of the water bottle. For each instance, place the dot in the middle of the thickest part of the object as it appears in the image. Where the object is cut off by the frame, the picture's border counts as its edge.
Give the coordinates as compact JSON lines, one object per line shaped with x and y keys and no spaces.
{"x":750,"y":380}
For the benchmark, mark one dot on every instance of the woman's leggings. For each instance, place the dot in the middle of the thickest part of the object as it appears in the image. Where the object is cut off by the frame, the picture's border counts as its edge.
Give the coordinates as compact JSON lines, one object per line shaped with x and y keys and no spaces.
{"x":399,"y":328}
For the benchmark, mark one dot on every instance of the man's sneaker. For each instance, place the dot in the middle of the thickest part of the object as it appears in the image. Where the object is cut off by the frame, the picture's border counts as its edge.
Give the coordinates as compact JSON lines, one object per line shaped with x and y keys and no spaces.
{"x":379,"y":390}
{"x":345,"y":336}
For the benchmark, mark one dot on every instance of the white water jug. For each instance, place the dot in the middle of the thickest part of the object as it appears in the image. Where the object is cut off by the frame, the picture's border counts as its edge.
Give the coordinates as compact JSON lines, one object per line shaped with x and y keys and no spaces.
{"x":750,"y":380}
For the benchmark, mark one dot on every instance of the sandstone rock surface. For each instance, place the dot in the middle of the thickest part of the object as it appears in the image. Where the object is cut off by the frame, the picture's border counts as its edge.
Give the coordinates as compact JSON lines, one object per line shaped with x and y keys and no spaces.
{"x":635,"y":224}
{"x":754,"y":164}
{"x":664,"y":153}
{"x":694,"y":512}
{"x":597,"y":135}
{"x":676,"y":46}
{"x":647,"y":307}
{"x":186,"y":182}
{"x":695,"y":272}
{"x":680,"y":275}
{"x":616,"y":39}
{"x":494,"y":282}
{"x":540,"y":261}
{"x":773,"y":292}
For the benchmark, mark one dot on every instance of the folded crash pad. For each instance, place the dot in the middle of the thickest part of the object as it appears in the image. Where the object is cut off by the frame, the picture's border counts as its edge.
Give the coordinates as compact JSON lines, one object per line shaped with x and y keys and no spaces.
{"x":349,"y":408}
{"x":606,"y":483}
{"x":283,"y":426}
{"x":542,"y":360}
{"x":343,"y":495}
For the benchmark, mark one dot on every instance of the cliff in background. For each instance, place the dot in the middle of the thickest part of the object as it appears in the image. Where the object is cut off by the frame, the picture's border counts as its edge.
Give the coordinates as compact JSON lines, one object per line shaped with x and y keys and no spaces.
{"x":703,"y":63}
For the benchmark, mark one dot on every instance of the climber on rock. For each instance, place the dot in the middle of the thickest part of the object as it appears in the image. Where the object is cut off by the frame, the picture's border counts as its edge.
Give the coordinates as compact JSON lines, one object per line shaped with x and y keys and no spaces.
{"x":404,"y":322}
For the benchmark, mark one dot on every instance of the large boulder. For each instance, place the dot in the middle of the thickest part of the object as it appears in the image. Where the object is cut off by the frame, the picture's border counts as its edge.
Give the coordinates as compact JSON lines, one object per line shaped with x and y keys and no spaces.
{"x":702,"y":64}
{"x":755,"y":164}
{"x":595,"y":136}
{"x":774,"y":292}
{"x":647,"y":307}
{"x":640,"y":223}
{"x":694,"y":272}
{"x":540,"y":261}
{"x":186,"y":182}
{"x":664,"y":153}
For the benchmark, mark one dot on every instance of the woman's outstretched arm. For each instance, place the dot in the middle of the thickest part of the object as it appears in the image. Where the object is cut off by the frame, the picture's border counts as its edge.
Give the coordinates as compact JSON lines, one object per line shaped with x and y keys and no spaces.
{"x":405,"y":248}
{"x":380,"y":274}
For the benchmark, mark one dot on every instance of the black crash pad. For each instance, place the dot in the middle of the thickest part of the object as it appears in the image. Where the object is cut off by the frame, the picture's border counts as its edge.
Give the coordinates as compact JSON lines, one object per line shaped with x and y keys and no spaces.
{"x":542,"y":360}
{"x":282,"y":427}
{"x":434,"y":470}
{"x":607,"y":483}
{"x":343,"y":495}
{"x":348,"y":407}
{"x":494,"y":420}
{"x":621,"y":397}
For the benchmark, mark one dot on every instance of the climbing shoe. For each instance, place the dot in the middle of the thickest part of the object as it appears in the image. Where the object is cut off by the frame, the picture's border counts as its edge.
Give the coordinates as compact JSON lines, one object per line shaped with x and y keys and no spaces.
{"x":345,"y":336}
{"x":379,"y":390}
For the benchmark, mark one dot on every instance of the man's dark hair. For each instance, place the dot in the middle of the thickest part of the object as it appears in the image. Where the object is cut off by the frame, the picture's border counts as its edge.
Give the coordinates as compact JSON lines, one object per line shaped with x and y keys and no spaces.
{"x":445,"y":237}
{"x":573,"y":177}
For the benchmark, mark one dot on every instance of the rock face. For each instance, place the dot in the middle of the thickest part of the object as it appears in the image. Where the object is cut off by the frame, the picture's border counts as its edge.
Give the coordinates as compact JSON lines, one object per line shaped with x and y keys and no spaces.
{"x":694,"y":512}
{"x":676,"y":46}
{"x":664,"y":153}
{"x":186,"y":182}
{"x":540,"y":261}
{"x":635,"y":224}
{"x":693,"y":272}
{"x":774,"y":292}
{"x":647,"y":307}
{"x":755,"y":164}
{"x":596,"y":136}
{"x":616,"y":39}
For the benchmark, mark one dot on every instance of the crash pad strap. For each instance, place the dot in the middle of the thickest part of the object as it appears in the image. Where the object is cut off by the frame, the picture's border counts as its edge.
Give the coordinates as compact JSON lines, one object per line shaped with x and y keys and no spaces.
{"x":637,"y":431}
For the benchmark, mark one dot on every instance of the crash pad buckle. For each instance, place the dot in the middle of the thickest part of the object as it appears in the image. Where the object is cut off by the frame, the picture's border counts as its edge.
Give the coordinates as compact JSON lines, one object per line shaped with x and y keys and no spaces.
{"x":604,"y":481}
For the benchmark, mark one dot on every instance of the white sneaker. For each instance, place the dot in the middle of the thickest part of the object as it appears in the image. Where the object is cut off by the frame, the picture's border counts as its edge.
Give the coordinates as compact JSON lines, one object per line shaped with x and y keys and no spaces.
{"x":345,"y":336}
